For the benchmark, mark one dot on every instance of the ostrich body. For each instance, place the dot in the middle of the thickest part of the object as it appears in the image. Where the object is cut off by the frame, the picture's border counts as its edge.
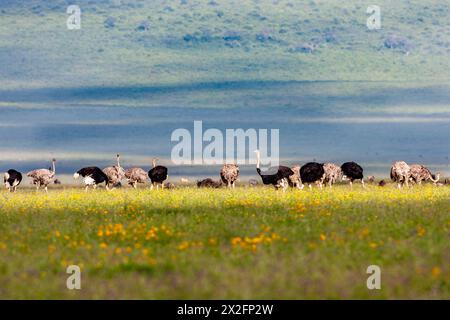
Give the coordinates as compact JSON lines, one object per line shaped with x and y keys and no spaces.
{"x":92,"y":176}
{"x":312,"y":172}
{"x":352,"y":171}
{"x":157,"y":175}
{"x":209,"y":183}
{"x":135,"y":176}
{"x":229,"y":174}
{"x":114,"y":173}
{"x":279,"y":179}
{"x":421,"y":173}
{"x":295,"y":180}
{"x":400,"y":173}
{"x":332,"y":173}
{"x":43,"y":177}
{"x":12,"y":179}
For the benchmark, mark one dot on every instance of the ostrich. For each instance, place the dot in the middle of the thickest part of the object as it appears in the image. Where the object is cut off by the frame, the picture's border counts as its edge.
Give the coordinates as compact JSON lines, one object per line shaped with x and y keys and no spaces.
{"x":400,"y":173}
{"x":157,"y":175}
{"x":294,"y":180}
{"x":421,"y":173}
{"x":278,"y":179}
{"x":332,"y":173}
{"x":43,"y":177}
{"x":252,"y":182}
{"x":352,"y":171}
{"x":93,"y":176}
{"x":312,"y":172}
{"x":135,"y":176}
{"x":371,"y":179}
{"x":229,"y":174}
{"x":114,"y":174}
{"x":209,"y":183}
{"x":12,"y":179}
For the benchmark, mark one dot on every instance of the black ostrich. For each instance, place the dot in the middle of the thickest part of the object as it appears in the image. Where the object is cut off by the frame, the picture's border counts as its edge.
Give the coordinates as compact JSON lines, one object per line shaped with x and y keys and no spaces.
{"x":93,"y":176}
{"x":157,"y":175}
{"x":352,"y":171}
{"x":12,"y":179}
{"x":209,"y":183}
{"x":280,"y":179}
{"x":312,"y":172}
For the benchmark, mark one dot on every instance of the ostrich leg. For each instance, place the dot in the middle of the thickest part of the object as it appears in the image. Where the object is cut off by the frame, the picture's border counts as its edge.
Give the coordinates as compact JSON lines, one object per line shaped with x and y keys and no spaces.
{"x":363,"y":185}
{"x":351,"y":185}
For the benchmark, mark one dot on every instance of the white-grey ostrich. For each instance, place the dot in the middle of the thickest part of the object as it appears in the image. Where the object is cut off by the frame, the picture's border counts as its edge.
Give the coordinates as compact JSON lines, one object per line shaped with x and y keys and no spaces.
{"x":400,"y":173}
{"x":135,"y":176}
{"x":332,"y":174}
{"x":229,"y":174}
{"x":421,"y":173}
{"x":294,"y":180}
{"x":43,"y":177}
{"x":114,"y":173}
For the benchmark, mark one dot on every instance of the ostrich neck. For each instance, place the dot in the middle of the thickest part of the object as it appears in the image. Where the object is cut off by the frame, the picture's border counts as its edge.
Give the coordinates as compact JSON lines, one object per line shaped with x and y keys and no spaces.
{"x":258,"y":160}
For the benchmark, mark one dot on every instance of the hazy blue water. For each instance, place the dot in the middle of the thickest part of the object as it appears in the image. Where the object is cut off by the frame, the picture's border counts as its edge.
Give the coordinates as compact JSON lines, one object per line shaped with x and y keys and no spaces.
{"x":371,"y":125}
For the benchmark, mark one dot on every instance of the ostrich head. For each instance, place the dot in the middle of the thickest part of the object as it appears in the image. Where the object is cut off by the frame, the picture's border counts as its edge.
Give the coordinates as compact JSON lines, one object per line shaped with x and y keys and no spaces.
{"x":435,"y":178}
{"x":53,"y":165}
{"x":344,"y":178}
{"x":154,"y":160}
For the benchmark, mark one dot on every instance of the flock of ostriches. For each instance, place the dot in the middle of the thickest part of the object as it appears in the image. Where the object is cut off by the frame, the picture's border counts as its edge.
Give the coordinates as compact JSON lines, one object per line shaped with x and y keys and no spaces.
{"x":281,"y":178}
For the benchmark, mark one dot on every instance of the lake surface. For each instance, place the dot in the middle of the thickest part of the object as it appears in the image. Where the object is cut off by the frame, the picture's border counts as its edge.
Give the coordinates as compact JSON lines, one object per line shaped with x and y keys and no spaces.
{"x":373,"y":124}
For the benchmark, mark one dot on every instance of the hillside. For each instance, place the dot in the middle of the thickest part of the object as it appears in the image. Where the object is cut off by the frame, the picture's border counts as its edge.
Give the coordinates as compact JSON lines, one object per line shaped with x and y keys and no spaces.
{"x":173,"y":42}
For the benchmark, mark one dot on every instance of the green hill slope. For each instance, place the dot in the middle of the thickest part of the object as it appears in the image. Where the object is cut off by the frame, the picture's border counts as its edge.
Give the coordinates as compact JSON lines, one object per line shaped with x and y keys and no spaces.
{"x":172,"y":42}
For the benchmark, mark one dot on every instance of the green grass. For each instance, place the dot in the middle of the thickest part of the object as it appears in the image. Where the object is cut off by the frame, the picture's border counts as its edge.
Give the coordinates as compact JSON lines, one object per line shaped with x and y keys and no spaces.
{"x":245,"y":243}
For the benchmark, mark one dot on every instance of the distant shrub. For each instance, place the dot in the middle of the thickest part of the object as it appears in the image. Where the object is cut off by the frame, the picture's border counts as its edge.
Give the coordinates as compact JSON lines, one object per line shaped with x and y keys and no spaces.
{"x":110,"y":22}
{"x":264,"y":36}
{"x":398,"y":42}
{"x":304,"y":48}
{"x":143,"y":26}
{"x":232,"y":36}
{"x":329,"y":37}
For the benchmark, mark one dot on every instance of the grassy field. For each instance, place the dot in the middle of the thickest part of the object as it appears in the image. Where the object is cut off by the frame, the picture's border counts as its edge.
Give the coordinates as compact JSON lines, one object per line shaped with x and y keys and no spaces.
{"x":244,"y":243}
